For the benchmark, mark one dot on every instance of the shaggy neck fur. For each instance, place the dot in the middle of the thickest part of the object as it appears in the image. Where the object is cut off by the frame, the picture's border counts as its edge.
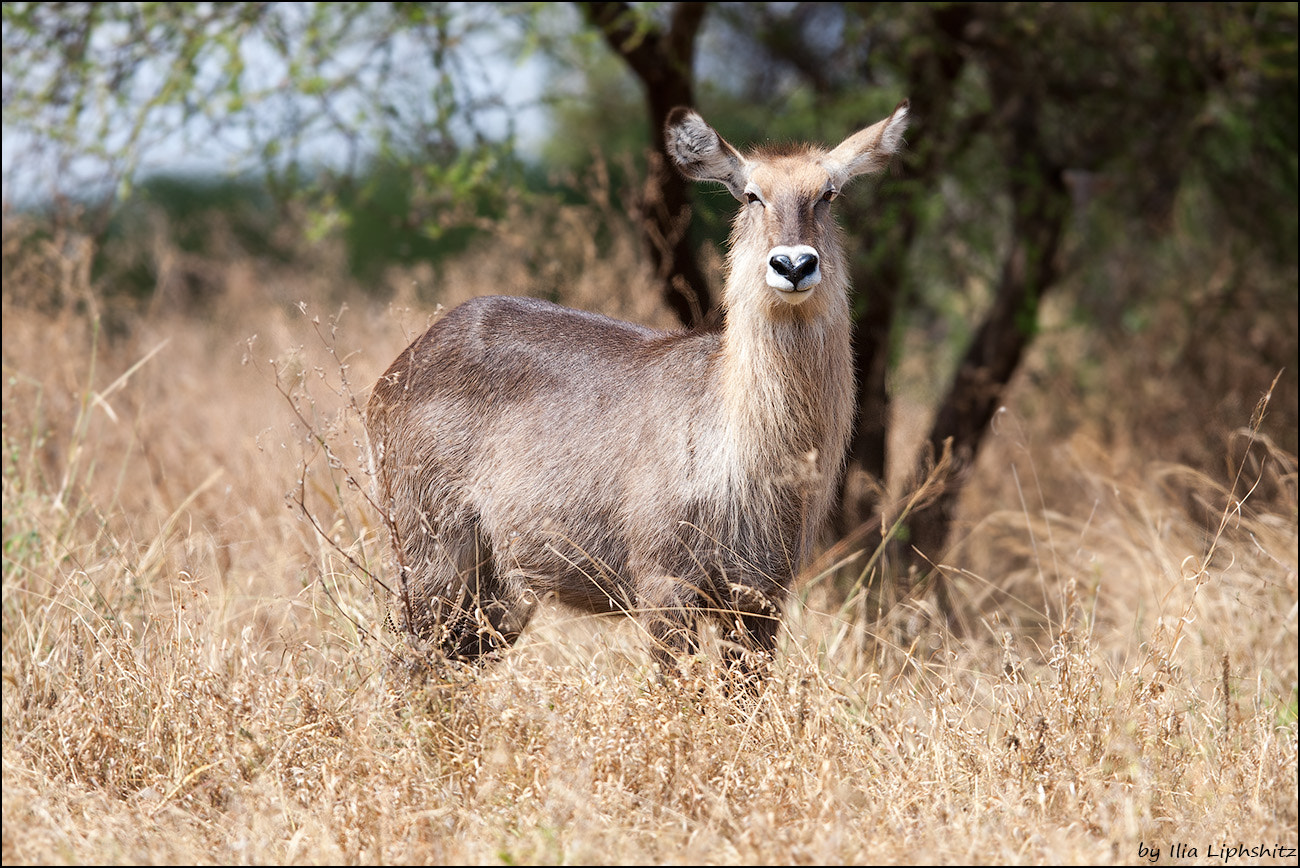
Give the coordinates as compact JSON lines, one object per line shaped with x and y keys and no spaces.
{"x":787,"y":383}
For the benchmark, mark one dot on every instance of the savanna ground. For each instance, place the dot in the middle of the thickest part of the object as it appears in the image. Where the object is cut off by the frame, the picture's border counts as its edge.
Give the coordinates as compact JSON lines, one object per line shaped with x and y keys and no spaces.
{"x":195,"y":669}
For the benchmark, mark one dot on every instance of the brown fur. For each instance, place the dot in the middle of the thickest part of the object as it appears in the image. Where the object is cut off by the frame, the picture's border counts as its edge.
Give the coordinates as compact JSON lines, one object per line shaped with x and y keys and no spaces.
{"x":525,"y":450}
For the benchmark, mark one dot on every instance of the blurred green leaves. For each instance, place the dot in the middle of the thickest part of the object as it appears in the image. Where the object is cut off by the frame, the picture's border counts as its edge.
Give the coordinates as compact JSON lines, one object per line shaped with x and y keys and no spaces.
{"x":322,"y":102}
{"x":400,"y":115}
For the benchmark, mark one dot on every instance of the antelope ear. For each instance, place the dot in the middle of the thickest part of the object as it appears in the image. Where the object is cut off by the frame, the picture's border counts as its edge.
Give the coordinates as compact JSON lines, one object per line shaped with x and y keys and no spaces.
{"x":703,"y":155}
{"x":868,"y":150}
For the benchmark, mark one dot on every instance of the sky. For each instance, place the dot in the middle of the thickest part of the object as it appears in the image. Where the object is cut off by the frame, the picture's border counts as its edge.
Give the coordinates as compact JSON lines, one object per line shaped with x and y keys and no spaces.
{"x":35,"y":167}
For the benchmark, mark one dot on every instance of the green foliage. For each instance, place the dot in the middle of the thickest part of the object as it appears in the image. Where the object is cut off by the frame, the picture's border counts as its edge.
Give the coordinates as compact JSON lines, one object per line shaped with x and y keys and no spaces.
{"x":310,"y":97}
{"x":1132,"y":103}
{"x":397,"y":214}
{"x":188,"y":200}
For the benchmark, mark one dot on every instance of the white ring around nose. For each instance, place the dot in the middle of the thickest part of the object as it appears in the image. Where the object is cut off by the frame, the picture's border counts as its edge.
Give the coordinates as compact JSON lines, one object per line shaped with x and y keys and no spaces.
{"x":787,"y":290}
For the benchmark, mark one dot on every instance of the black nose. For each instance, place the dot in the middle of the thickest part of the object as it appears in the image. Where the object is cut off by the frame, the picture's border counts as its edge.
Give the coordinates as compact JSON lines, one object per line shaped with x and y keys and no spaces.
{"x":795,"y":271}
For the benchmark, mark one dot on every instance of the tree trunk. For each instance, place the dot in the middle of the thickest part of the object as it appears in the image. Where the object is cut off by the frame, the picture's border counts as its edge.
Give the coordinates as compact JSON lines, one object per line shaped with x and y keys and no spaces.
{"x":1041,"y":210}
{"x":880,"y":267}
{"x":664,"y":64}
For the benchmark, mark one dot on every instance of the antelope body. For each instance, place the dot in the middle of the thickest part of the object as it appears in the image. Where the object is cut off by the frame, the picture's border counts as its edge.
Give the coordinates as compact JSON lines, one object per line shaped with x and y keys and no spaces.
{"x":526,"y":450}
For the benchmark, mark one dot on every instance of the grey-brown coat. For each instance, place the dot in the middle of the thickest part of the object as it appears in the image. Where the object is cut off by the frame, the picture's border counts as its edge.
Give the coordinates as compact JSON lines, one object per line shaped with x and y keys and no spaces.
{"x":524,"y":449}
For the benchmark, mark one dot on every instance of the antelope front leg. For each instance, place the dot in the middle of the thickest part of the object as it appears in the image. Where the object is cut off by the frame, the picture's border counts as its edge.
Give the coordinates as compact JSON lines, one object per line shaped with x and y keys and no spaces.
{"x":669,"y":609}
{"x":749,"y":630}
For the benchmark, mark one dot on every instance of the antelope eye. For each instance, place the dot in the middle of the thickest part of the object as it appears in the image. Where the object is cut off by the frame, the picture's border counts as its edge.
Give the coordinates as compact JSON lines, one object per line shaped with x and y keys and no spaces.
{"x":751,"y":198}
{"x":829,"y":195}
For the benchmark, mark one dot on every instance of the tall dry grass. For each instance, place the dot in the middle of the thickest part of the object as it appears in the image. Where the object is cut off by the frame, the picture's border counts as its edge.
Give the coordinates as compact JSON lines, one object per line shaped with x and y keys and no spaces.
{"x":194,"y":668}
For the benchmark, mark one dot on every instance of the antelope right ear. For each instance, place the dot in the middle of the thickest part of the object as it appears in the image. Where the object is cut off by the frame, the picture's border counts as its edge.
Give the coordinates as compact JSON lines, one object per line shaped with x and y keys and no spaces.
{"x":703,"y":155}
{"x":868,"y":150}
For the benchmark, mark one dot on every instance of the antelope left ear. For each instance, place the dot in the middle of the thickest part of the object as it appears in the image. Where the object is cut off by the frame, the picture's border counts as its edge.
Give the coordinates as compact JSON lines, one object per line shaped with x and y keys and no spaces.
{"x":870,"y":150}
{"x":703,"y":155}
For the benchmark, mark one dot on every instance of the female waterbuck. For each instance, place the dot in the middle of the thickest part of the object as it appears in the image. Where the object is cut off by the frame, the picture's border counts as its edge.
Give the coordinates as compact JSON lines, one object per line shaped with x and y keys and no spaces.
{"x":524,"y":450}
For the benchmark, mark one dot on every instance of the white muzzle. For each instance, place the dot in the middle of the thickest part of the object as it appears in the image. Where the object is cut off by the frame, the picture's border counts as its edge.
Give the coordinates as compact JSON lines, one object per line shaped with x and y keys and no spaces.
{"x":793,"y":271}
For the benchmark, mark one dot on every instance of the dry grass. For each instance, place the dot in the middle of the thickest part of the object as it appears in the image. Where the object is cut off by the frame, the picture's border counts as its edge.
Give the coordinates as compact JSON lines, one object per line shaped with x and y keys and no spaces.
{"x":193,"y":672}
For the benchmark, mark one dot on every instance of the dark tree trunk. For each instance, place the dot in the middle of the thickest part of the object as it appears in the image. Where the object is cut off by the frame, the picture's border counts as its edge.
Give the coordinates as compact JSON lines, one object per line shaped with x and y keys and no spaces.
{"x":664,"y":64}
{"x":1041,"y":209}
{"x":878,"y":270}
{"x":880,"y":267}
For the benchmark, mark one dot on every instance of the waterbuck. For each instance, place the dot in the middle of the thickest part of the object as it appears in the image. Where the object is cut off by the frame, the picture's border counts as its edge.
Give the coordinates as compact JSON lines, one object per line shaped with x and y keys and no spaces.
{"x":525,"y":450}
